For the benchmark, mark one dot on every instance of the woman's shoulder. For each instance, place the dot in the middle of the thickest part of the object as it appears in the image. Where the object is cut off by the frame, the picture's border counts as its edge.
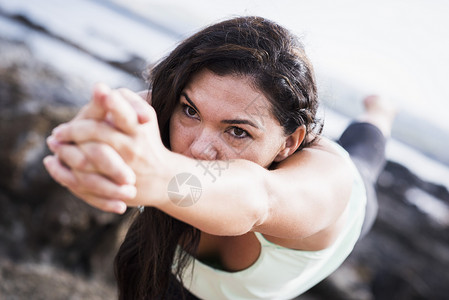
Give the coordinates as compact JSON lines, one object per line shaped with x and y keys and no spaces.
{"x":326,"y":145}
{"x":323,"y":152}
{"x":324,"y":167}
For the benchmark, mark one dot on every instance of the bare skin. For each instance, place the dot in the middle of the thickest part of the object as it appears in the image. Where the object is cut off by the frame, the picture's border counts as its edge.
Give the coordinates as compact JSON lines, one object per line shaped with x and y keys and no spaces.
{"x":269,"y":205}
{"x":237,"y":253}
{"x":378,"y":112}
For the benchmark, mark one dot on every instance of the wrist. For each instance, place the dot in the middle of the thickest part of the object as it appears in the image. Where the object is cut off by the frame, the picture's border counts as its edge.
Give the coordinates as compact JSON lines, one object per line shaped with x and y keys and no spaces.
{"x":153,"y":179}
{"x":178,"y":178}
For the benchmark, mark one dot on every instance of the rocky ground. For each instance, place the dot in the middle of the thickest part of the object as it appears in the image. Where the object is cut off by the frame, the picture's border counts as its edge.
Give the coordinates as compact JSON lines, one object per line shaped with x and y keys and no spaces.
{"x":53,"y":246}
{"x":405,"y":256}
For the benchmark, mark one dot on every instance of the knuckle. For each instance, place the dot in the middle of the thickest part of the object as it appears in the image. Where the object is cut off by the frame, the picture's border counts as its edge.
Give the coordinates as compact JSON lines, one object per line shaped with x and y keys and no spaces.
{"x":82,"y":163}
{"x":151,"y":111}
{"x":76,"y":157}
{"x":86,"y":157}
{"x":89,"y":183}
{"x":118,"y":175}
{"x":85,"y":130}
{"x":128,"y":152}
{"x":117,"y":170}
{"x":97,"y":150}
{"x":97,"y":185}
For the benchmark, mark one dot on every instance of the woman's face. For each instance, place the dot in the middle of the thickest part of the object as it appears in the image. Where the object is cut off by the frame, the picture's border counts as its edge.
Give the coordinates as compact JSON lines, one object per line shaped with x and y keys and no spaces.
{"x":224,"y":117}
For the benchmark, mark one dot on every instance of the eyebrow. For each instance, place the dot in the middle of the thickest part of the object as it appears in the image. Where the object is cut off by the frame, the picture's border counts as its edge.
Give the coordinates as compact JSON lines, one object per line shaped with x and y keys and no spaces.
{"x":240,"y":121}
{"x":231,"y":121}
{"x":190,"y":101}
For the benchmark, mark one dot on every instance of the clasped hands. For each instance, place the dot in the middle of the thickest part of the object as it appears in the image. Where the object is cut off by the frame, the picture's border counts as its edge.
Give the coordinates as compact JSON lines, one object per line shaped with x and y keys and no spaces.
{"x":111,"y":154}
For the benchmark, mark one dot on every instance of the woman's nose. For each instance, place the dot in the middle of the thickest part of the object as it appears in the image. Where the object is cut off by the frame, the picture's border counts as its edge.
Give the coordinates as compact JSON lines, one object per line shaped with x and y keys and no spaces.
{"x":204,"y":146}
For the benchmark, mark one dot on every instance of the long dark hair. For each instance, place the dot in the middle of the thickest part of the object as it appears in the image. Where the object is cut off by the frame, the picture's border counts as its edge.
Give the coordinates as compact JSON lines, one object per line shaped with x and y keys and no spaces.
{"x":276,"y":63}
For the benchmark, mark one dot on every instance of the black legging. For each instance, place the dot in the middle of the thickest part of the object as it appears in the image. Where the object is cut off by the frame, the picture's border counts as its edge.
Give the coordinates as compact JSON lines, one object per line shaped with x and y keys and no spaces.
{"x":365,"y":143}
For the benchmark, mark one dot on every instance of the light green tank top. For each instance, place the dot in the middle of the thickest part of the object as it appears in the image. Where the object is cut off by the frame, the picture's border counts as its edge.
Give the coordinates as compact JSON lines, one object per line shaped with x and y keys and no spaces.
{"x":281,"y":273}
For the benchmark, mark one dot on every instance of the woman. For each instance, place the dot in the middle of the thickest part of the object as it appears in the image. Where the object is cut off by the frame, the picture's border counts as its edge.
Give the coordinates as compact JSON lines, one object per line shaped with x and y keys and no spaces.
{"x":273,"y":208}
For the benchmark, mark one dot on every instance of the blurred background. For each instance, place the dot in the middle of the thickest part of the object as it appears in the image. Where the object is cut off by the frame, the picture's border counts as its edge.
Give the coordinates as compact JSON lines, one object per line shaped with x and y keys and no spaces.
{"x":53,"y":246}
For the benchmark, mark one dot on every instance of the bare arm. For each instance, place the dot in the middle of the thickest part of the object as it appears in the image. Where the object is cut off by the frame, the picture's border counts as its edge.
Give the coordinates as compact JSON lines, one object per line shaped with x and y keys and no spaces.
{"x":303,"y":195}
{"x":309,"y":189}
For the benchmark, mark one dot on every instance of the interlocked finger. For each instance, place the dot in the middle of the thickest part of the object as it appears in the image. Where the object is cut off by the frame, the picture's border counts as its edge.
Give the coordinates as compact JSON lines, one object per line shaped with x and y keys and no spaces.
{"x":59,"y":172}
{"x":107,"y":205}
{"x":140,"y":102}
{"x":82,"y":131}
{"x":120,"y":112}
{"x":108,"y":162}
{"x":101,"y":187}
{"x":72,"y":156}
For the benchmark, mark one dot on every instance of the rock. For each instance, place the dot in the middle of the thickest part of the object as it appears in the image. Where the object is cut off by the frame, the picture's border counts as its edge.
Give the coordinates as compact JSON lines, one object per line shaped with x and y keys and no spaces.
{"x":41,"y":223}
{"x":46,"y":282}
{"x":34,"y":99}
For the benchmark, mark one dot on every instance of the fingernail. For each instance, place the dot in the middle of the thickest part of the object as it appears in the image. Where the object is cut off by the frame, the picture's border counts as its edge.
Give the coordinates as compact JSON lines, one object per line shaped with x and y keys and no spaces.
{"x":130,"y":177}
{"x":52,"y":143}
{"x":57,"y":130}
{"x":46,"y":160}
{"x":121,"y":207}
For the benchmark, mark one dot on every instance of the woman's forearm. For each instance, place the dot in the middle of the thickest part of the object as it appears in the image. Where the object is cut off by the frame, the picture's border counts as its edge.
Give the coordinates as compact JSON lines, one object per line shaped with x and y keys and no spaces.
{"x":217,"y":197}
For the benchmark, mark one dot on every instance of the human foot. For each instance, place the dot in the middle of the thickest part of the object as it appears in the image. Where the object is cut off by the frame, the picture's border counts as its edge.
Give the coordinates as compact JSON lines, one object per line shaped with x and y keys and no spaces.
{"x":379,"y":112}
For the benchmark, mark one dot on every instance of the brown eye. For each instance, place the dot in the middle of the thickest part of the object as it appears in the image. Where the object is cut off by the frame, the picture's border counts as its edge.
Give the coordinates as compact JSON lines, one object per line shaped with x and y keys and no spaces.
{"x":189,"y":111}
{"x":239,"y":133}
